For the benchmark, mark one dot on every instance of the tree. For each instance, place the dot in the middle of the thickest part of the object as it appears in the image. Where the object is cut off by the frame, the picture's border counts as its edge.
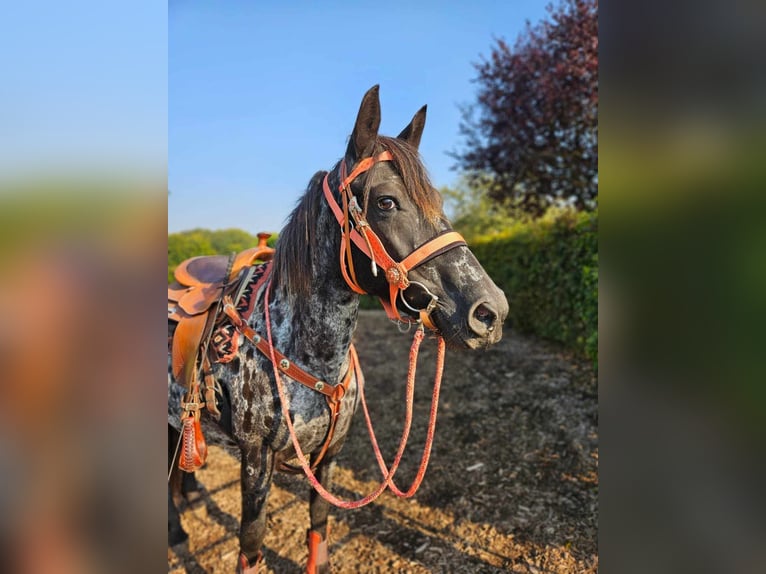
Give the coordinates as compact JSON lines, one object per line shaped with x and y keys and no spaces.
{"x":531,"y":137}
{"x":186,"y":244}
{"x":472,"y":213}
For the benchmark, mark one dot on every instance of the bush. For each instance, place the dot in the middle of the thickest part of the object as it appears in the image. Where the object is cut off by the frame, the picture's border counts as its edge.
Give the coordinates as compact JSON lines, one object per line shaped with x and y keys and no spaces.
{"x":548,"y":269}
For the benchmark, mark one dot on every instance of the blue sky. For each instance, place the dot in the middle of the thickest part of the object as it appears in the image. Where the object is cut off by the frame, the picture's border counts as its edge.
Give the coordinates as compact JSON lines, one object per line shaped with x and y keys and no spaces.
{"x":263,"y":94}
{"x":84,"y":88}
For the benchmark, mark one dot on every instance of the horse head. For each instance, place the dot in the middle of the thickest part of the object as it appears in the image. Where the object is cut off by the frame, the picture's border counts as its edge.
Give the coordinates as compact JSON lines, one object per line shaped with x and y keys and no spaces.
{"x":399,"y":244}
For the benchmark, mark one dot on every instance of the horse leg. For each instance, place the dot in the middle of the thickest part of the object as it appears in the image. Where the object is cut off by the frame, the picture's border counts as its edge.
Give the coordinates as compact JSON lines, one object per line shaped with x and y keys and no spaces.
{"x":319,"y":510}
{"x":257,"y":472}
{"x":190,"y":487}
{"x":176,"y":533}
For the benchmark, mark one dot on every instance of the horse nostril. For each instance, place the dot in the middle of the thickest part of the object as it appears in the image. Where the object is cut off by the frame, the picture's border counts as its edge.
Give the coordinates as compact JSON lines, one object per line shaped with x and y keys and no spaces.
{"x":482,"y":319}
{"x":484,"y":314}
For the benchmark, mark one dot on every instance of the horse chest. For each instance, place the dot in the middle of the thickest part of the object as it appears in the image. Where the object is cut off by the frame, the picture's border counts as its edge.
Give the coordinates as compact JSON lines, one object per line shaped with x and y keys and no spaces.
{"x":257,"y":417}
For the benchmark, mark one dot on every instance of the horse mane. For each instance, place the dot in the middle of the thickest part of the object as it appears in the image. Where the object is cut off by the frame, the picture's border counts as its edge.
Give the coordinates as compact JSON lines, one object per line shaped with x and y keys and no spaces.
{"x":293,"y":260}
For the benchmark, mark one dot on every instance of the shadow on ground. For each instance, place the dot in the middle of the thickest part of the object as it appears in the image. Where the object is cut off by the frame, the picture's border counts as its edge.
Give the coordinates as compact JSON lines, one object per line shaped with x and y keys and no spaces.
{"x":512,"y":485}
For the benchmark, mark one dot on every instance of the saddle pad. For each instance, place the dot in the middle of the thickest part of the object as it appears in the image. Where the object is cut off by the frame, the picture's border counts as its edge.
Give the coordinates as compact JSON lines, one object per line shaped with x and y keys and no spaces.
{"x":225,"y":339}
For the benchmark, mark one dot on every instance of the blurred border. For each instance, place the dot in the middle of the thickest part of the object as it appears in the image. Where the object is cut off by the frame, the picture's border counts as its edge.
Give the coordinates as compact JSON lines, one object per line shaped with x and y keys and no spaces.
{"x":83,"y":190}
{"x":682,"y":283}
{"x":83,"y":237}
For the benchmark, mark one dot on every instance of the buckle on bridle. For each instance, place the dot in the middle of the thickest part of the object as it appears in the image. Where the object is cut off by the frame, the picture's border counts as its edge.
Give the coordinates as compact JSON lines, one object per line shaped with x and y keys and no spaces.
{"x":353,"y":206}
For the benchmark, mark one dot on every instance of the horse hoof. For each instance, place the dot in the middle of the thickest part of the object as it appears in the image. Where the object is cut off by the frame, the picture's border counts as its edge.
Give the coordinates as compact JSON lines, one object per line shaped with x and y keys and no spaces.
{"x":244,"y":566}
{"x":318,"y":561}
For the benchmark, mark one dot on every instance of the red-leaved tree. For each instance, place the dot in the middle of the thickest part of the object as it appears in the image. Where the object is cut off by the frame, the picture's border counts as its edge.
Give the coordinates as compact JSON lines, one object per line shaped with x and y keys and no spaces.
{"x":531,"y":137}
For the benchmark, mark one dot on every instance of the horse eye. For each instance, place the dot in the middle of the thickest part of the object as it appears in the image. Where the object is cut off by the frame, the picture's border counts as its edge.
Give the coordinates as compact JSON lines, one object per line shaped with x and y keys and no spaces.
{"x":386,"y":203}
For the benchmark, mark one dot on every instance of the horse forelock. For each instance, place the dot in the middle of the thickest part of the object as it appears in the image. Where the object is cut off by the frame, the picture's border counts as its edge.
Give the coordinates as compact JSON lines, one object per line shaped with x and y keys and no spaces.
{"x":417,"y":183}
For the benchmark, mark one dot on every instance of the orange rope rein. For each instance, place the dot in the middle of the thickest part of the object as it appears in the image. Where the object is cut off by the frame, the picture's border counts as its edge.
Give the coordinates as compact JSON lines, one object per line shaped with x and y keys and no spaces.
{"x":410,"y":392}
{"x":431,"y":423}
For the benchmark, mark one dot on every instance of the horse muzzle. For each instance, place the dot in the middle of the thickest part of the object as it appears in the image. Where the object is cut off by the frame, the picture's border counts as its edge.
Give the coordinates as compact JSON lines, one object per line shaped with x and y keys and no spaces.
{"x":476,"y":323}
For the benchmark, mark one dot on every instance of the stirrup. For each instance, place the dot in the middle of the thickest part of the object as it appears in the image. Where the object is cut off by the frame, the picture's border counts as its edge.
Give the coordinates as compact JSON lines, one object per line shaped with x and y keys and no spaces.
{"x":193,"y":446}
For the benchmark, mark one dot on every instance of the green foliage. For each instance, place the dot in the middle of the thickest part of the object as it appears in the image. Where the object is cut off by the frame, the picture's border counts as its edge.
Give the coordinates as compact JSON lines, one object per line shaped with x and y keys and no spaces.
{"x":548,"y":269}
{"x":532,"y":132}
{"x":186,"y":244}
{"x":369,"y":302}
{"x":473,"y":213}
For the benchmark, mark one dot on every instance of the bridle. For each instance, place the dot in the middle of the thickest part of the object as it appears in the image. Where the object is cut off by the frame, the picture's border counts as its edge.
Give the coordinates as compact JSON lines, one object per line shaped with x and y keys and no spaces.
{"x":397,"y":275}
{"x":355,"y":228}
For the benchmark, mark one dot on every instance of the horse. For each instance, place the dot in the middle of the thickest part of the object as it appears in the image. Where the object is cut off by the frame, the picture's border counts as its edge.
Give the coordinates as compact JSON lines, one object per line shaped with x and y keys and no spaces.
{"x":408,"y":256}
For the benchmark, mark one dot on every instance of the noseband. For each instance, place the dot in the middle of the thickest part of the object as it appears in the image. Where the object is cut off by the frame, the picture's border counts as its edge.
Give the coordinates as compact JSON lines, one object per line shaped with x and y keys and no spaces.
{"x":362,"y":235}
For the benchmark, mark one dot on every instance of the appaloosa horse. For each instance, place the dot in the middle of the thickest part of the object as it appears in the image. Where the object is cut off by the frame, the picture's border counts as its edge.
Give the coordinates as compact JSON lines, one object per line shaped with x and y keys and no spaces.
{"x":378,"y":192}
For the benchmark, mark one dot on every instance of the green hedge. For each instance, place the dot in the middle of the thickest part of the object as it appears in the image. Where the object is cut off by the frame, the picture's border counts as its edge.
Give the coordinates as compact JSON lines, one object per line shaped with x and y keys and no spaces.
{"x":548,"y":269}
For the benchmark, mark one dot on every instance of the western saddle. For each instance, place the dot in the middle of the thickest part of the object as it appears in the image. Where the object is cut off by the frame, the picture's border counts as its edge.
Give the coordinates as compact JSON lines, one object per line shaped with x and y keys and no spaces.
{"x":194,"y":303}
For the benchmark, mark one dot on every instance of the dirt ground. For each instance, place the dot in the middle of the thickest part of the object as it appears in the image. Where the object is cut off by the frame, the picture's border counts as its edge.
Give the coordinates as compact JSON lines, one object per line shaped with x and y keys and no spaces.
{"x":512,"y":485}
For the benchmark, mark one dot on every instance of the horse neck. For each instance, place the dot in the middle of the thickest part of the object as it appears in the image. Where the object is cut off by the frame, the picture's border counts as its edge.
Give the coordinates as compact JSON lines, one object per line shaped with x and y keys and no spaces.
{"x":316,"y":331}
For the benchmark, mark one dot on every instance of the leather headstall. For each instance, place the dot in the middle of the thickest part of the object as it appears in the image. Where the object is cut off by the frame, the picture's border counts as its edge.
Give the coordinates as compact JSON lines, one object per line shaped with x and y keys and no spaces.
{"x":355,"y":228}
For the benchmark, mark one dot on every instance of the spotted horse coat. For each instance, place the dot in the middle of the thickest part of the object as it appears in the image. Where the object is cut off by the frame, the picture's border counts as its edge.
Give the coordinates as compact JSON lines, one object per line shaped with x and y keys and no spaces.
{"x":313,"y":315}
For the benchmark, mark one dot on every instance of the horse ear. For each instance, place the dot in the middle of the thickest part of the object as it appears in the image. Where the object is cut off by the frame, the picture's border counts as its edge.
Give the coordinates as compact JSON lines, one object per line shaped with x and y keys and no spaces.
{"x":366,"y":126}
{"x":411,"y":134}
